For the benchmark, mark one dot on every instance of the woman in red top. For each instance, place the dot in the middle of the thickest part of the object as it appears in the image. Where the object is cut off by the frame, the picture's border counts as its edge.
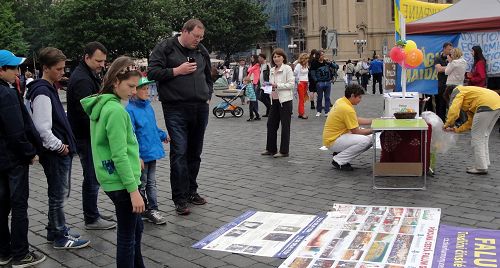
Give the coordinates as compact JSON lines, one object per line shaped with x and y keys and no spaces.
{"x":255,"y":70}
{"x":477,"y":77}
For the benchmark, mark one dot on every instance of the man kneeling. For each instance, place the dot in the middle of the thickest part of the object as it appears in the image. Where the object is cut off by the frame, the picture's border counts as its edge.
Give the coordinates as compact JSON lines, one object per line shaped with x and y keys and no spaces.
{"x":342,"y":133}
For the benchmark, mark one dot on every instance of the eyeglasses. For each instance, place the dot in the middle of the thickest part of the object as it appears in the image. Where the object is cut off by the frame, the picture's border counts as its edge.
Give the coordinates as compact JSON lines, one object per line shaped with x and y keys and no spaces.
{"x":129,"y":68}
{"x":197,"y":37}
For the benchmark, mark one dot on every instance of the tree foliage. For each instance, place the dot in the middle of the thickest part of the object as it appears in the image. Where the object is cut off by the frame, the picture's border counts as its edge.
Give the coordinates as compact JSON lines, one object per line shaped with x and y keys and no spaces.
{"x":132,"y":27}
{"x":123,"y":26}
{"x":231,"y":25}
{"x":11,"y":33}
{"x":37,"y":20}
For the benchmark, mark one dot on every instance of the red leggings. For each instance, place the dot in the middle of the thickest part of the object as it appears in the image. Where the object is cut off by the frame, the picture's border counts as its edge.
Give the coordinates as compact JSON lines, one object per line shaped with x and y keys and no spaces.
{"x":302,"y":91}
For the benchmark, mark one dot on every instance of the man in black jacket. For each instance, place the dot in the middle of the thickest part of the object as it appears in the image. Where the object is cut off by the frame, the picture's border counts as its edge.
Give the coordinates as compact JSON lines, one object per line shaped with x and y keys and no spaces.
{"x":82,"y":83}
{"x":181,"y":65}
{"x":17,"y":152}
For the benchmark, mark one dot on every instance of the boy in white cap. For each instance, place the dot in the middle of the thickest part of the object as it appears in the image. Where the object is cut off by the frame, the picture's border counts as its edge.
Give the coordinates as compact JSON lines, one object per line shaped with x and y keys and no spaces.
{"x":18,"y":147}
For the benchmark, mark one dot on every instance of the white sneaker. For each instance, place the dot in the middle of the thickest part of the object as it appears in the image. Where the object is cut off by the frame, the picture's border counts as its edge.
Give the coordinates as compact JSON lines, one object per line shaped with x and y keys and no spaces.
{"x":326,"y":114}
{"x":318,"y":114}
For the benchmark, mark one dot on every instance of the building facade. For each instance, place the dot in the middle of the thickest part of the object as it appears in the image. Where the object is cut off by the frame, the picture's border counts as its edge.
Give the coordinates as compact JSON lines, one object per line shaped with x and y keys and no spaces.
{"x":344,"y":29}
{"x":351,"y":29}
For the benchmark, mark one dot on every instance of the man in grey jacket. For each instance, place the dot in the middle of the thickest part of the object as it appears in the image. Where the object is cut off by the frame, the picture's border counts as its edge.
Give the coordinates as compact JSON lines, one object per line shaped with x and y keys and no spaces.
{"x":181,"y":65}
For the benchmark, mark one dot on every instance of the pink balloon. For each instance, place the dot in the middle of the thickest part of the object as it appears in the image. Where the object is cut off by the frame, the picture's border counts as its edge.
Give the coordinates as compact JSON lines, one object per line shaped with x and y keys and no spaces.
{"x":397,"y":54}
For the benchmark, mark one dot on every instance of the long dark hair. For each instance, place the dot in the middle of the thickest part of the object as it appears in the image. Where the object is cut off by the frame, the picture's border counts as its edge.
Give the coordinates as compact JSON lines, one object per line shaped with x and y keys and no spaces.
{"x":254,"y":59}
{"x":121,"y":69}
{"x":478,"y":54}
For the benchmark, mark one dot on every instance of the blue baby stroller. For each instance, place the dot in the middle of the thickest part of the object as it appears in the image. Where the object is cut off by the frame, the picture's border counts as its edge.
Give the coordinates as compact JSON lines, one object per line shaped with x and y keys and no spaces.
{"x":228,"y":96}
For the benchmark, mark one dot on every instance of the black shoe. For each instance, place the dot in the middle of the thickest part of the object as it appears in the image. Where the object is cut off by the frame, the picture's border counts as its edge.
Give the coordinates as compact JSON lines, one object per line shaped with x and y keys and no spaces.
{"x":249,"y":119}
{"x":257,"y":119}
{"x":29,"y":260}
{"x":196,"y":199}
{"x":267,"y":153}
{"x":345,"y":167}
{"x":266,"y":115}
{"x":182,"y":209}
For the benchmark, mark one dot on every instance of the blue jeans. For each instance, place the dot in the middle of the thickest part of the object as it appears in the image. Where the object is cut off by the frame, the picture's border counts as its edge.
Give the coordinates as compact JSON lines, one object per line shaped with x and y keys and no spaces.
{"x":323,"y":88}
{"x":349,"y":79}
{"x":148,"y":184}
{"x":57,"y":169}
{"x":186,"y":124}
{"x":14,"y":192}
{"x":129,"y":231}
{"x":90,"y":186}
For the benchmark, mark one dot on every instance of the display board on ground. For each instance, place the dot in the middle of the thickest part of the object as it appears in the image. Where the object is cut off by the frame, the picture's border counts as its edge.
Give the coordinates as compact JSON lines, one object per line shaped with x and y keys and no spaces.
{"x":262,"y":233}
{"x":466,"y":247}
{"x":370,"y":236}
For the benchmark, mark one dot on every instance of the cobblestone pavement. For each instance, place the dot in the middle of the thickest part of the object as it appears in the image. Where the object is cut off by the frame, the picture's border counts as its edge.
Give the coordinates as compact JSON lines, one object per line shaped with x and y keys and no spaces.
{"x":235,"y":178}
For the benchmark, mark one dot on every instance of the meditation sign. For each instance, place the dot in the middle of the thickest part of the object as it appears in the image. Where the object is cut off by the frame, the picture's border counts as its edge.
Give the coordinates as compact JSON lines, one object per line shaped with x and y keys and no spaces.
{"x":466,"y":247}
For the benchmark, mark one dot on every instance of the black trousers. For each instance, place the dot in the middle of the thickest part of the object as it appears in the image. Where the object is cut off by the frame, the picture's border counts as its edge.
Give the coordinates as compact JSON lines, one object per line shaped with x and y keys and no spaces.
{"x":377,"y":78}
{"x":265,"y":99}
{"x":441,"y":103}
{"x":279,"y":112}
{"x":254,"y":109}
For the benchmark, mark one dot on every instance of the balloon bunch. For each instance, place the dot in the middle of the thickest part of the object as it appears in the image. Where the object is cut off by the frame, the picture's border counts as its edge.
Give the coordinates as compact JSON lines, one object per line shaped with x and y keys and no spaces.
{"x":406,"y":54}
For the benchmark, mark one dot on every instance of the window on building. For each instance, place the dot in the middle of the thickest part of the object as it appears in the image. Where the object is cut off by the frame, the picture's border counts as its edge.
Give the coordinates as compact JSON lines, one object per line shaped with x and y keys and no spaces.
{"x":323,"y":2}
{"x":323,"y":39}
{"x":392,"y":10}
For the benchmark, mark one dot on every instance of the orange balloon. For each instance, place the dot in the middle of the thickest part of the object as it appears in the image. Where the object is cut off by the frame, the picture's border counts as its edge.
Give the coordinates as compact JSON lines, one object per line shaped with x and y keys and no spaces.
{"x":414,"y":57}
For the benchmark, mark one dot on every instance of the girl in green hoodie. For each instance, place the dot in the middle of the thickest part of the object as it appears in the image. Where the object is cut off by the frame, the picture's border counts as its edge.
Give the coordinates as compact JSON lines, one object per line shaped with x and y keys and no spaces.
{"x":116,"y":156}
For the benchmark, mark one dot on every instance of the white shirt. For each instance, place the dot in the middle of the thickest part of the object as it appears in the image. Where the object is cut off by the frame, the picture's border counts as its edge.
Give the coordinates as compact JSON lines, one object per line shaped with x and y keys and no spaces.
{"x":261,"y":77}
{"x":240,"y":74}
{"x":301,"y":73}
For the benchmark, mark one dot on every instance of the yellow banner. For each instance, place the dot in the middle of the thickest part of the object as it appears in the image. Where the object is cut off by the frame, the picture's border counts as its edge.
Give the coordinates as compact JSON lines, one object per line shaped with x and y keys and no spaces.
{"x":413,"y":10}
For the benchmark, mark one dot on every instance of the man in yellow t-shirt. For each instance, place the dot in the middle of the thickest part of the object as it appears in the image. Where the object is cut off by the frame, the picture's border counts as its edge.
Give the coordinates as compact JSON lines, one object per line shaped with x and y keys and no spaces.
{"x":342,"y":133}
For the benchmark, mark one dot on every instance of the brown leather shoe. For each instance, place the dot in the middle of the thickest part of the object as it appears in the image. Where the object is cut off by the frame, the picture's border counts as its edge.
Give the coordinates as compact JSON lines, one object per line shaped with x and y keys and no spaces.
{"x":280,"y":155}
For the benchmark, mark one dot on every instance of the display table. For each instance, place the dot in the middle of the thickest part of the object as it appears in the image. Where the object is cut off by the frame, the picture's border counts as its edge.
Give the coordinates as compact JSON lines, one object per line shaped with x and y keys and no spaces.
{"x":413,"y":169}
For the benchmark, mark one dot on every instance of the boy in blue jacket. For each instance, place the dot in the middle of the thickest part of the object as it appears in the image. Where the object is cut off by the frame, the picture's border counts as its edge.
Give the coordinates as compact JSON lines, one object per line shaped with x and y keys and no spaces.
{"x":150,"y":139}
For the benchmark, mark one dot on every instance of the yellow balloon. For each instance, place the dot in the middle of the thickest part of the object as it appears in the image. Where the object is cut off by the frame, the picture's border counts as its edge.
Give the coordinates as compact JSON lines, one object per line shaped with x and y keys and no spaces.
{"x":410,"y":45}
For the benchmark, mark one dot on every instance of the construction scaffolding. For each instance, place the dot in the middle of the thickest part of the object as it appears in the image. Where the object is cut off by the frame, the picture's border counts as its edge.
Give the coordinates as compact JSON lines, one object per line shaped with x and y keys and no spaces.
{"x":287,"y":25}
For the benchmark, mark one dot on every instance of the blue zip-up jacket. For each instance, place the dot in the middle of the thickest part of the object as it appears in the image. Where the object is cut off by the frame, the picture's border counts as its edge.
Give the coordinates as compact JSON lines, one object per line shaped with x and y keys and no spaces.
{"x":149,"y":136}
{"x":376,"y":66}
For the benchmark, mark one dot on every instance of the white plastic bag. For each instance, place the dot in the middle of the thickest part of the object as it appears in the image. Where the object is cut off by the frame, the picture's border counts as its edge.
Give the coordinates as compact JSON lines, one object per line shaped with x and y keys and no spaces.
{"x":441,"y":140}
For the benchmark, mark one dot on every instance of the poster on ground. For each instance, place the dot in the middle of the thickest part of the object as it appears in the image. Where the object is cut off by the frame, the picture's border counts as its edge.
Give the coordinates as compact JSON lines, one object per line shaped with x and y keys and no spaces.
{"x":357,"y":236}
{"x":466,"y":247}
{"x":262,"y":234}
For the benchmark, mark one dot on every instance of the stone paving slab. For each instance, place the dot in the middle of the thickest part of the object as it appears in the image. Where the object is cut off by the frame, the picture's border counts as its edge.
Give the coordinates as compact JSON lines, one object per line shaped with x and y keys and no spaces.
{"x":234,"y":178}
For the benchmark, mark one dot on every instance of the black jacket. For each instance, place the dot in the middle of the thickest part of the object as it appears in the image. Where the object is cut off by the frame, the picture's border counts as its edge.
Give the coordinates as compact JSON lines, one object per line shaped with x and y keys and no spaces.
{"x":82,"y":83}
{"x":236,"y":73}
{"x":194,"y":87}
{"x":18,"y":136}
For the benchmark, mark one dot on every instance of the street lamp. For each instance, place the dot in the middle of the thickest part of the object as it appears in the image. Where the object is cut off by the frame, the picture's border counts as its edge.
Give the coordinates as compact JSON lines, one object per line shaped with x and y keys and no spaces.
{"x":292,"y":46}
{"x":360,"y":44}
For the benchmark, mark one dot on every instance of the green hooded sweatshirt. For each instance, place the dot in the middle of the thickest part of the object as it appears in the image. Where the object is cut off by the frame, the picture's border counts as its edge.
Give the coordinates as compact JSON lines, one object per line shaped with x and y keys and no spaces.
{"x":115,"y":149}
